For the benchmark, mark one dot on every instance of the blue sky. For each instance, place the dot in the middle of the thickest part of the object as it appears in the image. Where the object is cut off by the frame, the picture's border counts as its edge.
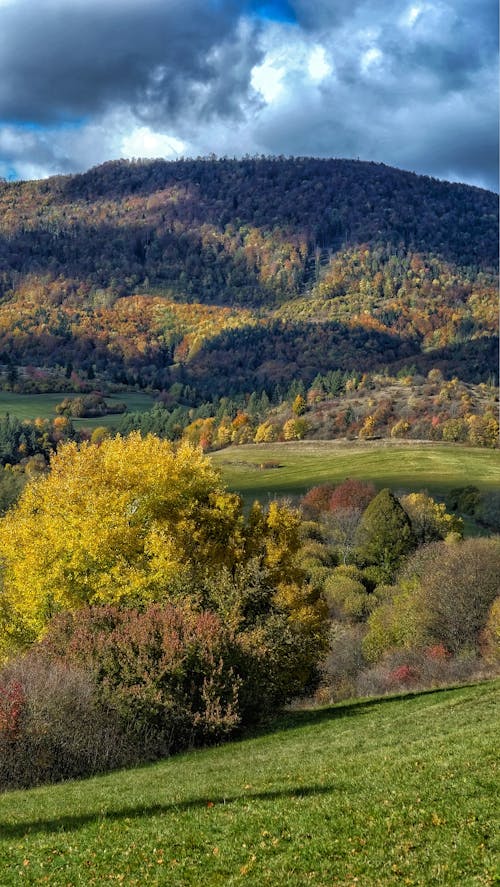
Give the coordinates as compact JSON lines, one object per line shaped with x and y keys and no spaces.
{"x":411,"y":83}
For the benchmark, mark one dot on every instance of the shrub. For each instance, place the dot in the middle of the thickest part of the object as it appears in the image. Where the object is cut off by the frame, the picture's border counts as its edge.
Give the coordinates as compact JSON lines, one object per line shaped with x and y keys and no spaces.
{"x":12,"y":703}
{"x":490,"y":638}
{"x":52,"y":727}
{"x":464,"y":500}
{"x":488,"y":510}
{"x":457,"y":586}
{"x":404,"y":675}
{"x":418,"y":669}
{"x":396,"y":622}
{"x":166,"y":672}
{"x":316,"y":500}
{"x":429,"y":519}
{"x":444,"y":594}
{"x":346,"y":597}
{"x":344,"y":662}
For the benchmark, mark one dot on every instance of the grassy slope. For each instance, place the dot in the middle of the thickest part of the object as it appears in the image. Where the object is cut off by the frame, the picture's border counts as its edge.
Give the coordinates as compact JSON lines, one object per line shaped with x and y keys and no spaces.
{"x":29,"y":406}
{"x":412,"y":466}
{"x":385,"y":792}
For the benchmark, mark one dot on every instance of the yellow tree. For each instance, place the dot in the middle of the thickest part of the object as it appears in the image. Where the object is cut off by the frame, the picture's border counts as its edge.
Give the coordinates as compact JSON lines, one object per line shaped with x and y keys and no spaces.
{"x":134,"y":520}
{"x":116,"y":522}
{"x":429,"y":519}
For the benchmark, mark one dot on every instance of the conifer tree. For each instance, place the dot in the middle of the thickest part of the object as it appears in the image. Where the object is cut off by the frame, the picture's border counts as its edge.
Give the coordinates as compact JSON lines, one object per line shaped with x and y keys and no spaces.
{"x":385,"y":535}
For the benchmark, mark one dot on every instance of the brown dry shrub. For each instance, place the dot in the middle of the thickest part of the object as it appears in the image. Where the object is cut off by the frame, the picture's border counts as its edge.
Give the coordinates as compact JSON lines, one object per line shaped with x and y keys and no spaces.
{"x":62,"y":732}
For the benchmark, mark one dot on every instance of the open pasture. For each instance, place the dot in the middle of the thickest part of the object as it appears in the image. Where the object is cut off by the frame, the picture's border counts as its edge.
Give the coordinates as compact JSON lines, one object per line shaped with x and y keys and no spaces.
{"x":410,"y":466}
{"x":31,"y":406}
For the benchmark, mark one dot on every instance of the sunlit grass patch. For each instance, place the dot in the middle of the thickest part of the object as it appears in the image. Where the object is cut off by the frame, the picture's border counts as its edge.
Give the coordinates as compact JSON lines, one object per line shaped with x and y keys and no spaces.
{"x":384,"y":792}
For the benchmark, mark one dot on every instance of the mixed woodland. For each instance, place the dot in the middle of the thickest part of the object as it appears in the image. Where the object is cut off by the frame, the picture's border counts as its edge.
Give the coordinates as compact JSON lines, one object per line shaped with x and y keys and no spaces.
{"x":227,"y":288}
{"x":259,"y":300}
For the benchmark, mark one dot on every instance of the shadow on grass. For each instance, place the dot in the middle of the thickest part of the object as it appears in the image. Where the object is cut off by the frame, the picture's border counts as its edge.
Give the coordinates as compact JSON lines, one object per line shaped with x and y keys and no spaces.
{"x":73,"y":823}
{"x":354,"y":708}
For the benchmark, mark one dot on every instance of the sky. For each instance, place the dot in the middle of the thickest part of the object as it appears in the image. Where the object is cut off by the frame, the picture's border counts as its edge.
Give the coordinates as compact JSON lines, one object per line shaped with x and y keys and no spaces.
{"x":410,"y":84}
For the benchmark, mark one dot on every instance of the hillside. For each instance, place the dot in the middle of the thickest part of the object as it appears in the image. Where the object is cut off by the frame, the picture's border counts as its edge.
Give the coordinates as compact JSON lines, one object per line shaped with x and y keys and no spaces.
{"x":231,"y":276}
{"x":384,"y":792}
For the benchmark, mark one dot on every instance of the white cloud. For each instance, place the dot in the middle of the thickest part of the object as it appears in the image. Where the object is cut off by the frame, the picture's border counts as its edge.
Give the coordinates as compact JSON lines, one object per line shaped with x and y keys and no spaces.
{"x":370,"y":59}
{"x":410,"y":16}
{"x":142,"y":141}
{"x":359,"y":78}
{"x":267,"y":79}
{"x":318,"y":66}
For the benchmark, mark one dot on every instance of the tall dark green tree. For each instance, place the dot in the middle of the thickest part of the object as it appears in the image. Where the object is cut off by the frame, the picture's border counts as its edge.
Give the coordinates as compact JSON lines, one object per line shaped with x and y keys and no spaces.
{"x":385,"y":535}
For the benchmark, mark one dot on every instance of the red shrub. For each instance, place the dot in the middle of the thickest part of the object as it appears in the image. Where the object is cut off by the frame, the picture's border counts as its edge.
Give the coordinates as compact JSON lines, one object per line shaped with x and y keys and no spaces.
{"x":352,"y":493}
{"x":12,"y":702}
{"x":438,"y":653}
{"x":404,"y":674}
{"x":167,"y":671}
{"x":317,"y":499}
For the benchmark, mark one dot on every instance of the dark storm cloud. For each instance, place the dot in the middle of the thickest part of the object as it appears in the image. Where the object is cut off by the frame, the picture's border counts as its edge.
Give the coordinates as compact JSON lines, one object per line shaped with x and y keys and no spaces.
{"x":414,"y":85}
{"x":62,"y":59}
{"x":409,"y":82}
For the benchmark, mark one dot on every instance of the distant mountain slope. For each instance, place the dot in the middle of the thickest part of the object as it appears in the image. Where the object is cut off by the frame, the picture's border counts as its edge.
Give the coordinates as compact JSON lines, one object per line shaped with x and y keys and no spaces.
{"x":390,"y":264}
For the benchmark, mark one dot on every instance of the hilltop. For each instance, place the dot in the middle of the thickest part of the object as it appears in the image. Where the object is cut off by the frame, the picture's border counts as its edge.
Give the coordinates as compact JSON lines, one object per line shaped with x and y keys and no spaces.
{"x":228,"y":276}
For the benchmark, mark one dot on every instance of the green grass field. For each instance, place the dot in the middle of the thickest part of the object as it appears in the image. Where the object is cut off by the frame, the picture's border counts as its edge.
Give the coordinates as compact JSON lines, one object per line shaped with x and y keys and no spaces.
{"x":30,"y":406}
{"x":399,"y":791}
{"x":400,"y":466}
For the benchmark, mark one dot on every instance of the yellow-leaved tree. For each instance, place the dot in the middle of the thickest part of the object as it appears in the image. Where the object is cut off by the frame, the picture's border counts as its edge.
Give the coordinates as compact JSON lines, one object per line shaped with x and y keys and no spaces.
{"x":134,"y":520}
{"x":115,"y":522}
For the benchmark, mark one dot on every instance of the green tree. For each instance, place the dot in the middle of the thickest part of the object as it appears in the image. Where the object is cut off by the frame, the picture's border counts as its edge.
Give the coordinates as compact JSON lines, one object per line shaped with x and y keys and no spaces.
{"x":385,"y":535}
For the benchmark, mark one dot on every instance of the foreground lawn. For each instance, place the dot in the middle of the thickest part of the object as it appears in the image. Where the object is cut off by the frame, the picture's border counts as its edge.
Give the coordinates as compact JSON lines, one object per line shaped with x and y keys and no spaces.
{"x":386,"y":792}
{"x":399,"y":466}
{"x":31,"y":406}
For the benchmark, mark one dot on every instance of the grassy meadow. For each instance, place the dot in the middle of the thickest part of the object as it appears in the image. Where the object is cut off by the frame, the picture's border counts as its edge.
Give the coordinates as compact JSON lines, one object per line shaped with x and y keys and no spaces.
{"x":391,"y":791}
{"x":409,"y":466}
{"x":31,"y":406}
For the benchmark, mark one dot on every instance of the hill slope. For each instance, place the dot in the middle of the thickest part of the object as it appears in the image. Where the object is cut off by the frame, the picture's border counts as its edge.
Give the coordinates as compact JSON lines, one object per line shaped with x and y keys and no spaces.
{"x":165,"y":272}
{"x":385,"y":792}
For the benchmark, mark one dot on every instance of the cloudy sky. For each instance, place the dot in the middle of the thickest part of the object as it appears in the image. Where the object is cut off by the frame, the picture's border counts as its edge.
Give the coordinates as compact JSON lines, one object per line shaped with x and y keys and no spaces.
{"x":411,"y":83}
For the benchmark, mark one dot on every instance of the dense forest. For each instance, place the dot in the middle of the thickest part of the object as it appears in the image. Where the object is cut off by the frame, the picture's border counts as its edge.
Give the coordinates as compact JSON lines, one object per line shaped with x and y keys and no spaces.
{"x":233,"y":276}
{"x":228,"y":288}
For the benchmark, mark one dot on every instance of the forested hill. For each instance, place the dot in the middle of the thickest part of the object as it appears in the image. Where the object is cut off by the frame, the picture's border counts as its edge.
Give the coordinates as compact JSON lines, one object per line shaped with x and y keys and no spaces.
{"x":334,"y":243}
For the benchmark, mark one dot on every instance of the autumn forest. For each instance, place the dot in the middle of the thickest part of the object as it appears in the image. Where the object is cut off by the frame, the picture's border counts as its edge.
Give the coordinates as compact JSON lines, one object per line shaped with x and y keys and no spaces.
{"x":173,"y":309}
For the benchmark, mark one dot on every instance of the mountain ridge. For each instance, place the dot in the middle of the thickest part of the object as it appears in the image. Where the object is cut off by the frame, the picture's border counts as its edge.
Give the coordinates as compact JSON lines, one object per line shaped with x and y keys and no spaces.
{"x":87,"y":262}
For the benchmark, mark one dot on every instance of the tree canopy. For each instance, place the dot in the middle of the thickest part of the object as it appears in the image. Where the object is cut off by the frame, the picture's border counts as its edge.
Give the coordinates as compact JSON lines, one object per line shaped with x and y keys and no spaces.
{"x":385,"y":534}
{"x":130,"y":521}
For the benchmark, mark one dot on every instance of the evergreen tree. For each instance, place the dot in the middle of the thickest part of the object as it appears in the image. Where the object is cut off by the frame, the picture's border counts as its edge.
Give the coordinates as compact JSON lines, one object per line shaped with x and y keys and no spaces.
{"x":385,"y":535}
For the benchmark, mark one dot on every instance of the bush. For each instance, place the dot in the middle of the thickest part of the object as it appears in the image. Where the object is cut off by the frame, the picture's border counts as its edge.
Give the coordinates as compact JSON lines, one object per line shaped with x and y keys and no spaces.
{"x":52,"y":727}
{"x":490,"y":638}
{"x":419,"y":669}
{"x":167,"y":672}
{"x":346,"y":596}
{"x":317,"y":500}
{"x":444,"y":594}
{"x":457,"y":586}
{"x":344,"y":662}
{"x":488,"y":510}
{"x":464,"y":500}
